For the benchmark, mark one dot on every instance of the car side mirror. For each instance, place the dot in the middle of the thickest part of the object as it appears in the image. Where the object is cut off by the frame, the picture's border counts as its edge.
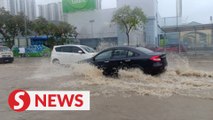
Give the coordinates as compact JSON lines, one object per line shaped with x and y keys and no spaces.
{"x":80,"y":52}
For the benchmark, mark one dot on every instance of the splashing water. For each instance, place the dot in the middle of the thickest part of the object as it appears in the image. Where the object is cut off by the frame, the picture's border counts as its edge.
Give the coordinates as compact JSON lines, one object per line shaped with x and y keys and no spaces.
{"x":179,"y":79}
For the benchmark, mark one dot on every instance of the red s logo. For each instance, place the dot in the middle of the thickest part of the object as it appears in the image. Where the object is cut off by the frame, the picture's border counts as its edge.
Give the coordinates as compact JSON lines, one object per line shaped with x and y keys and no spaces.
{"x":19,"y":100}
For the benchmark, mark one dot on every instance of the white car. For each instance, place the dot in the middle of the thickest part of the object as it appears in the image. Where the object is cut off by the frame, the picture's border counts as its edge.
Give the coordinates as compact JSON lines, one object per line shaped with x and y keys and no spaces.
{"x":67,"y":54}
{"x":6,"y":55}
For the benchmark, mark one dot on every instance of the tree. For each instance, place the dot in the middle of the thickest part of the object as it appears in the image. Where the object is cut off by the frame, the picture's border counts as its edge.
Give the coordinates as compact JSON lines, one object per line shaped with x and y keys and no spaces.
{"x":64,"y":31}
{"x":56,"y":32}
{"x":40,"y":26}
{"x":129,"y":19}
{"x":4,"y":16}
{"x":11,"y":26}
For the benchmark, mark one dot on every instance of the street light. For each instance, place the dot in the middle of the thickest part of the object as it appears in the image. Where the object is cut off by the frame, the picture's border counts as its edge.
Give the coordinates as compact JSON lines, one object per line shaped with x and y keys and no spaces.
{"x":25,"y":22}
{"x":92,"y":21}
{"x":178,"y":14}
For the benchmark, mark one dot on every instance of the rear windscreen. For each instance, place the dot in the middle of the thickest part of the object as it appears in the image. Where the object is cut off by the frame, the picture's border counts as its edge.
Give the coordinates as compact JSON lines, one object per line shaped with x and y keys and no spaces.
{"x":144,"y":50}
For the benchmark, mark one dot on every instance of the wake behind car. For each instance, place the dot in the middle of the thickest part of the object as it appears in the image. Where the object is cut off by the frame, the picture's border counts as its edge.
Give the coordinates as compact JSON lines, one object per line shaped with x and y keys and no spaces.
{"x":6,"y":55}
{"x":67,"y":54}
{"x":115,"y":58}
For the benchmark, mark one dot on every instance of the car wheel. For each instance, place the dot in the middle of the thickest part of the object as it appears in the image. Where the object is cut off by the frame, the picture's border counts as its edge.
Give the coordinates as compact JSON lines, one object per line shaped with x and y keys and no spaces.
{"x":137,"y":67}
{"x":154,"y":73}
{"x":110,"y":72}
{"x":56,"y":62}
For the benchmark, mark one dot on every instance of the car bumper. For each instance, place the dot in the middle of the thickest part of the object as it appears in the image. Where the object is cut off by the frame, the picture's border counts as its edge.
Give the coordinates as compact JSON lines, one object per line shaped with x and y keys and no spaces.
{"x":156,"y":68}
{"x":159,"y":69}
{"x":6,"y":60}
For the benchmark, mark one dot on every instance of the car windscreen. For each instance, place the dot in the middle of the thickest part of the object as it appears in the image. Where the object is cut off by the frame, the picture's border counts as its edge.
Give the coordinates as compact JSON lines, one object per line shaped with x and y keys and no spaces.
{"x":144,"y":50}
{"x":88,"y":49}
{"x":2,"y":49}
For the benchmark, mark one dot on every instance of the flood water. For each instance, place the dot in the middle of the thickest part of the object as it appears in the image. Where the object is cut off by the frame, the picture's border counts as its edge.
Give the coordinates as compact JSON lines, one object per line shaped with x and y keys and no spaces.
{"x":184,"y":76}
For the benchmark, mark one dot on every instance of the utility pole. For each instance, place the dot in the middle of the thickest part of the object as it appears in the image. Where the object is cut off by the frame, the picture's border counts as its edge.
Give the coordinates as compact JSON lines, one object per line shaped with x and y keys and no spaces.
{"x":25,"y":21}
{"x":92,"y":21}
{"x":178,"y":15}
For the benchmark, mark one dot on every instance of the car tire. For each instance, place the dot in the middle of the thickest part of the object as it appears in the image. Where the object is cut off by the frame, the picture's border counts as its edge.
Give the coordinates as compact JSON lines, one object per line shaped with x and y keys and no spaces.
{"x":56,"y":62}
{"x":137,"y":67}
{"x":155,"y":73}
{"x":110,"y":72}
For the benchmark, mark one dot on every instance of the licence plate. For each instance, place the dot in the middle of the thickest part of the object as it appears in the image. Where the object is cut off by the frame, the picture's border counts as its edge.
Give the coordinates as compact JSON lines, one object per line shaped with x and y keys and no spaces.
{"x":5,"y":56}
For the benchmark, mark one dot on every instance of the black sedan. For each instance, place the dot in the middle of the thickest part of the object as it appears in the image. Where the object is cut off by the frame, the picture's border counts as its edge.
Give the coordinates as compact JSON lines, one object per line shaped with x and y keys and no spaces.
{"x":112,"y":59}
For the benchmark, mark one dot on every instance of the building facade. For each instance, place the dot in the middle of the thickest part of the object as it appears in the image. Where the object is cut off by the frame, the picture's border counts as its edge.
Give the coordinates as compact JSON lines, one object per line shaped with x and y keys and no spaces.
{"x":28,"y":7}
{"x":51,"y":12}
{"x":191,"y":35}
{"x":96,"y":24}
{"x":5,"y":4}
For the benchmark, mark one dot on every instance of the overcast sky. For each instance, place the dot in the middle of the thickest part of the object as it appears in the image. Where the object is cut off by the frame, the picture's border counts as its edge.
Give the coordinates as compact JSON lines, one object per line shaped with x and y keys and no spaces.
{"x":193,"y":10}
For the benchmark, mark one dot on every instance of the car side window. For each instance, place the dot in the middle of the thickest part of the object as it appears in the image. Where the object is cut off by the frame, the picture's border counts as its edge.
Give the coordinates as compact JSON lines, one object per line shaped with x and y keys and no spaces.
{"x":119,"y":54}
{"x":104,"y":56}
{"x":67,"y":49}
{"x":76,"y":49}
{"x":132,"y":54}
{"x":58,"y":49}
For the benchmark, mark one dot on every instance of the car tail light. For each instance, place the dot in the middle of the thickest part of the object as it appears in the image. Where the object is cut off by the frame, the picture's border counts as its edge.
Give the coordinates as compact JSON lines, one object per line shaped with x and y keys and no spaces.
{"x":155,"y":58}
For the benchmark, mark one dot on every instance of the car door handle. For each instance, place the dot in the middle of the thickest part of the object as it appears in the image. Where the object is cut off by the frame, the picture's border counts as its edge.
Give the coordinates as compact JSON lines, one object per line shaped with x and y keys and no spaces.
{"x":128,"y":60}
{"x":106,"y":61}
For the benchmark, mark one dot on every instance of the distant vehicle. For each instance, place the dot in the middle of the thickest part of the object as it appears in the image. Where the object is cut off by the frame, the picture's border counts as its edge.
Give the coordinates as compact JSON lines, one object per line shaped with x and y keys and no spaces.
{"x":67,"y":54}
{"x":6,"y":55}
{"x":115,"y":58}
{"x":171,"y":48}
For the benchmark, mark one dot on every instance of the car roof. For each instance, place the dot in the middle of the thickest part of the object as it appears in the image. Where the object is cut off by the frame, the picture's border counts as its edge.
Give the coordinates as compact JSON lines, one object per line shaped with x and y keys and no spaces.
{"x":133,"y":48}
{"x":70,"y":45}
{"x":118,"y":47}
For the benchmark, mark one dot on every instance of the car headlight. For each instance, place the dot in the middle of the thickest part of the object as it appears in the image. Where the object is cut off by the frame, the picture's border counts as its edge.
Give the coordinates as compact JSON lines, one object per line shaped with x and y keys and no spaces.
{"x":11,"y":54}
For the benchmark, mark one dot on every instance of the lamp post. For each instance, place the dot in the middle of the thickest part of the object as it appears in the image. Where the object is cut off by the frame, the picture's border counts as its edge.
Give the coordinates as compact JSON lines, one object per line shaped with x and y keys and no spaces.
{"x":91,"y":22}
{"x":178,"y":14}
{"x":25,"y":22}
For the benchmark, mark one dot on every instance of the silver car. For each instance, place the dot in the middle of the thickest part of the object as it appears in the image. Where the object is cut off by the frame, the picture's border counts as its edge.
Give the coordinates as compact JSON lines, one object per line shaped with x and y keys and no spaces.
{"x":68,"y":54}
{"x":6,"y":55}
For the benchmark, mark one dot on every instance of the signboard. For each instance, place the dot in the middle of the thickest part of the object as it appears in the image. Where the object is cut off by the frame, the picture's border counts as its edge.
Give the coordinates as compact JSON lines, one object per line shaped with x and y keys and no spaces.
{"x":163,"y":41}
{"x":70,"y":6}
